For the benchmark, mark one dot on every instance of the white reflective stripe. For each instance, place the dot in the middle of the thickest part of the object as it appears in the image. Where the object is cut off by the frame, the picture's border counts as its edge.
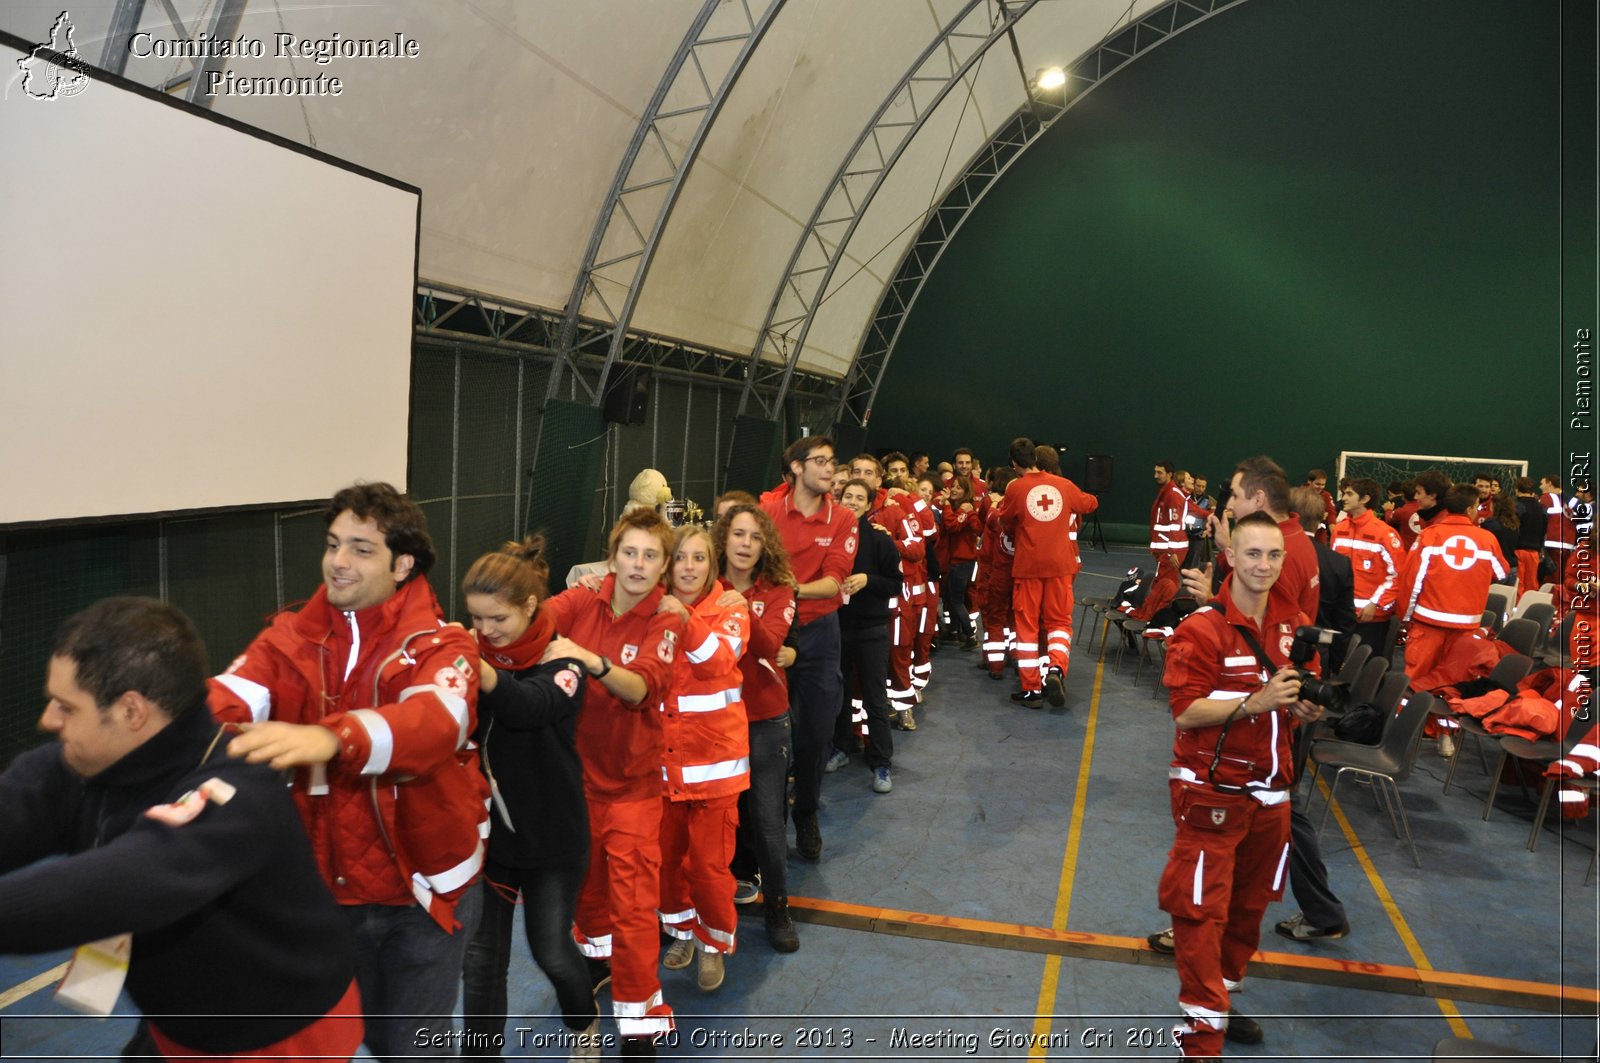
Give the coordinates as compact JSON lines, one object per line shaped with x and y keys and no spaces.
{"x":1232,"y":985}
{"x":1073,"y":536}
{"x":1234,"y":662}
{"x":1557,"y":544}
{"x":725,"y":769}
{"x":1270,"y":797}
{"x":1058,"y":632}
{"x":379,"y":736}
{"x":1029,"y":646}
{"x":1572,"y":795}
{"x":449,"y":880}
{"x":1447,"y":618}
{"x":1555,"y":510}
{"x":720,"y":937}
{"x":1165,"y":527}
{"x":634,"y":1018}
{"x":1217,"y":1020}
{"x":676,"y":917}
{"x":930,"y":587}
{"x":1170,"y":546}
{"x":255,"y":696}
{"x":898,"y":693}
{"x":702,"y":653}
{"x":733,"y":644}
{"x":1182,"y":774}
{"x":709,"y":702}
{"x":1585,"y":749}
{"x":599,"y":948}
{"x":1228,"y":695}
{"x":355,"y":644}
{"x":454,"y":704}
{"x":1283,"y":862}
{"x":1199,"y":878}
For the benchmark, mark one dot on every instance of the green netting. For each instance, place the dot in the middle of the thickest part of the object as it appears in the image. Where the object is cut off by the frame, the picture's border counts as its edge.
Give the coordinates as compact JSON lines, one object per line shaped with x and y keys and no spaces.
{"x":753,"y":455}
{"x":570,"y":447}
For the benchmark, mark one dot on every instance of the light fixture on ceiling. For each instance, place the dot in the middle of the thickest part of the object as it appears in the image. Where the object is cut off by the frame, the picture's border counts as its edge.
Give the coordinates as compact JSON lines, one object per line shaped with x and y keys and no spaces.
{"x":1050,"y":77}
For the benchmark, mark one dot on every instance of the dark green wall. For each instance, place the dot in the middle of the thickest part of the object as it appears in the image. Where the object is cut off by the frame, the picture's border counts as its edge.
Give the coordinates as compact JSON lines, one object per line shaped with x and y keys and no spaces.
{"x":1299,"y":228}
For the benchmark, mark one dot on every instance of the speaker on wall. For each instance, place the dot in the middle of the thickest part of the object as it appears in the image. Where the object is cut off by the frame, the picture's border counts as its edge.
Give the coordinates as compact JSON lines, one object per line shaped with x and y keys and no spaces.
{"x":1097,"y":473}
{"x":627,"y":394}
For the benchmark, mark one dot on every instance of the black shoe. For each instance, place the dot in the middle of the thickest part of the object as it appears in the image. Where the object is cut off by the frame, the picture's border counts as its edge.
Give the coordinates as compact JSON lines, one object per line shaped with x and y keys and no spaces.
{"x":599,"y":973}
{"x":1161,"y":941}
{"x":780,"y":928}
{"x":1242,"y":1031}
{"x":1055,"y":688}
{"x":807,"y":835}
{"x":1034,"y":699}
{"x":970,"y":643}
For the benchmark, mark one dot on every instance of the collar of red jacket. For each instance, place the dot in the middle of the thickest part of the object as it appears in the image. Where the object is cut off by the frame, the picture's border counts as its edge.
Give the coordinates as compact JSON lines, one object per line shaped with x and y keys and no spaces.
{"x":1280,"y":610}
{"x":524,"y":652}
{"x":412,"y":606}
{"x":647,"y":604}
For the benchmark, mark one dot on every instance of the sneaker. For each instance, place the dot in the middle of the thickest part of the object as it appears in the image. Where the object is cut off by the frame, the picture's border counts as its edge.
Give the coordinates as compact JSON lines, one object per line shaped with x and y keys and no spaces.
{"x":807,"y":835}
{"x":1161,"y":941}
{"x":1297,"y":929}
{"x":780,"y":927}
{"x":1447,"y":746}
{"x":1241,"y":1030}
{"x":905,"y":720}
{"x":680,"y":954}
{"x":712,"y":970}
{"x":839,"y":759}
{"x":1055,"y":687}
{"x":882,"y":782}
{"x":1034,"y":699}
{"x":745,"y":891}
{"x":586,"y":1043}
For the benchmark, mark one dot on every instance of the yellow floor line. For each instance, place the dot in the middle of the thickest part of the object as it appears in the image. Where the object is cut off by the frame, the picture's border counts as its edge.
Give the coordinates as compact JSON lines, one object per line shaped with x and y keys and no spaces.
{"x":32,"y":986}
{"x":1419,"y":959}
{"x":1069,"y":870}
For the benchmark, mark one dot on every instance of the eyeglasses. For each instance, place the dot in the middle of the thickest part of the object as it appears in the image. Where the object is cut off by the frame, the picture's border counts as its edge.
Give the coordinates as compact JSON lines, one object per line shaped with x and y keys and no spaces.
{"x":821,"y":462}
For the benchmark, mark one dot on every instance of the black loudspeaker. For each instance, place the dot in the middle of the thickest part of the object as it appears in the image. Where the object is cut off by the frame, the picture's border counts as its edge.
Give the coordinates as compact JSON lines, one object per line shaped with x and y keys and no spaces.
{"x":627,"y":394}
{"x":1097,"y":473}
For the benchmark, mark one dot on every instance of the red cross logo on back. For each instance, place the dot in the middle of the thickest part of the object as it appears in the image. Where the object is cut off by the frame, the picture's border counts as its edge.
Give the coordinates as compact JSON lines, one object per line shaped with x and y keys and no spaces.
{"x":1460,"y":552}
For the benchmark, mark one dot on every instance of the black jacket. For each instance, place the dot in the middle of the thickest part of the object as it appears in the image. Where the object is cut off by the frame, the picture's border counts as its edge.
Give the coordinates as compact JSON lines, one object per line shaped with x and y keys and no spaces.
{"x":236,"y":941}
{"x":1336,"y":589}
{"x":527,"y":729}
{"x":876,"y":556}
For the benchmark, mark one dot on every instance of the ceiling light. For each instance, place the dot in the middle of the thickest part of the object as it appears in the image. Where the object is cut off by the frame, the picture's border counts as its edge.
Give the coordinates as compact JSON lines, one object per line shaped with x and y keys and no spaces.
{"x":1052,"y":77}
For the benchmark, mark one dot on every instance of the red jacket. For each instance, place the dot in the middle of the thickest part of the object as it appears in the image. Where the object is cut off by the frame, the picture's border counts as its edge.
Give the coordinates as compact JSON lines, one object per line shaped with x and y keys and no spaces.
{"x":1167,"y":514}
{"x":705,"y":730}
{"x":1208,"y":657}
{"x":1406,"y":523}
{"x":1559,"y":531}
{"x":821,"y":545}
{"x":1041,"y":515}
{"x":766,"y":686}
{"x":960,"y":539}
{"x":899,"y":515}
{"x":399,"y":815}
{"x":1375,"y":556}
{"x":1445,"y":581}
{"x":620,"y":744}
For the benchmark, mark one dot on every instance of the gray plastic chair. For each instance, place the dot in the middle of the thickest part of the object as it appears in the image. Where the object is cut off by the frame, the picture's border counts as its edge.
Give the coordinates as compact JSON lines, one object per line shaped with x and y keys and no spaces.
{"x":1388,"y":763}
{"x":1520,"y":635}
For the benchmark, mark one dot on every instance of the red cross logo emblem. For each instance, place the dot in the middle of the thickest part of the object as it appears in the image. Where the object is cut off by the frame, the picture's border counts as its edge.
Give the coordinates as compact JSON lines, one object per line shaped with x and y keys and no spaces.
{"x":451,"y":680}
{"x":1044,"y":502}
{"x":1459,"y":552}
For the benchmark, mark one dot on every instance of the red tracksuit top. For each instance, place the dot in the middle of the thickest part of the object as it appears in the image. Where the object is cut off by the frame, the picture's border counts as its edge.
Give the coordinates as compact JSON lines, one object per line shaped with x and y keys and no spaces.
{"x":1560,"y":533}
{"x":905,"y":528}
{"x":394,"y":818}
{"x":1167,"y":514}
{"x":1208,"y":657}
{"x":960,"y":539}
{"x":821,"y":545}
{"x":1375,"y":556}
{"x":620,"y":744}
{"x":1406,"y":523}
{"x":1041,"y":515}
{"x":1445,"y":581}
{"x":766,"y":686}
{"x":705,"y":732}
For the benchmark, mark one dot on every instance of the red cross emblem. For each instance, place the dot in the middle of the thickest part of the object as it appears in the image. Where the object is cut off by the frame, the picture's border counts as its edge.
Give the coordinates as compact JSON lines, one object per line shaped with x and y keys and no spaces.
{"x":1460,"y":552}
{"x":451,"y":680}
{"x":1044,"y":502}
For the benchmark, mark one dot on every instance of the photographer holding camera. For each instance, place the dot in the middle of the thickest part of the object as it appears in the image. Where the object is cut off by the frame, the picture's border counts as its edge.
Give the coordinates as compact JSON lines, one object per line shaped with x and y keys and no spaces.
{"x":1234,"y":697}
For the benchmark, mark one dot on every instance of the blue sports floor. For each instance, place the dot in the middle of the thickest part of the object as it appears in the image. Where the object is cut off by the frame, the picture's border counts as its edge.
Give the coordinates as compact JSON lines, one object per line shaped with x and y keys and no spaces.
{"x":1029,"y":821}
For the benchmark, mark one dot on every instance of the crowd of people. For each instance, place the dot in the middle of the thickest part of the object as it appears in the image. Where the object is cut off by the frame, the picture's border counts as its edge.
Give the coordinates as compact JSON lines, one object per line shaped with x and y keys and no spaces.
{"x":622,"y":759}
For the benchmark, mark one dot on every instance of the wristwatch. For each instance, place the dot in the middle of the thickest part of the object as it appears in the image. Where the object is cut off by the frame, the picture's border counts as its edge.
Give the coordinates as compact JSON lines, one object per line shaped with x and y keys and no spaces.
{"x":605,"y":666}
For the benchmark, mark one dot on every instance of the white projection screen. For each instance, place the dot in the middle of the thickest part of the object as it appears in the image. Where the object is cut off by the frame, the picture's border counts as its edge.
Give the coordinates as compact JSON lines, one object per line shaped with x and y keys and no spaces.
{"x":192,"y":315}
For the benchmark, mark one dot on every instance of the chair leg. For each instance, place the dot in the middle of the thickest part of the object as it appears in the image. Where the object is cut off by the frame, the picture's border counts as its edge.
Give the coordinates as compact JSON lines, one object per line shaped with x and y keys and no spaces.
{"x":1539,"y":814}
{"x":1494,"y":787}
{"x":1323,"y":822}
{"x":1382,"y":794}
{"x":1138,"y":663}
{"x":1405,"y":821}
{"x":1450,"y":774}
{"x":1477,"y":743}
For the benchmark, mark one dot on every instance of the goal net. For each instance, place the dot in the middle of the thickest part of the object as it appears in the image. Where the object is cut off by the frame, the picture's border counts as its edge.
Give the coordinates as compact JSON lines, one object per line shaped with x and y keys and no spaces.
{"x":1388,"y":467}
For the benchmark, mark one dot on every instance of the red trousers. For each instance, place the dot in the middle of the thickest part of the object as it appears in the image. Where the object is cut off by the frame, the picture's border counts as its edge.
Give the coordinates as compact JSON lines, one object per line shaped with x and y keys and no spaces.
{"x":337,"y":1035}
{"x":616,"y":913}
{"x":1527,"y":572}
{"x":903,"y":616}
{"x":696,"y":883}
{"x":927,"y":625}
{"x":1050,"y":600}
{"x":1228,"y":862}
{"x":1428,"y":650}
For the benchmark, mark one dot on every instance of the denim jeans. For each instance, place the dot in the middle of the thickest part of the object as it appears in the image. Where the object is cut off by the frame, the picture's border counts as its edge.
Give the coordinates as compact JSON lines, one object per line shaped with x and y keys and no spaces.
{"x":763,"y":843}
{"x":814,"y":692}
{"x":408,"y":970}
{"x":955,"y":596}
{"x":549,"y":898}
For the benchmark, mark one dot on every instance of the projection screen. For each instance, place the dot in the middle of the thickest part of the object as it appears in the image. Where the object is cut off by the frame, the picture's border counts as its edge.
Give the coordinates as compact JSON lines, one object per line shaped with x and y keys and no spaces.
{"x":192,"y":314}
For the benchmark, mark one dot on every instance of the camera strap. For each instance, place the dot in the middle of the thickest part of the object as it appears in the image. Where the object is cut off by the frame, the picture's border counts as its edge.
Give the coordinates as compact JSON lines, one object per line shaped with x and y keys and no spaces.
{"x":1222,"y":736}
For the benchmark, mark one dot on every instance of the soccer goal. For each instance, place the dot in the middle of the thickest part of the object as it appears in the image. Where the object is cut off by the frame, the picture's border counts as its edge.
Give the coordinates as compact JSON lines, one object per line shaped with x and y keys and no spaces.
{"x":1385,"y":468}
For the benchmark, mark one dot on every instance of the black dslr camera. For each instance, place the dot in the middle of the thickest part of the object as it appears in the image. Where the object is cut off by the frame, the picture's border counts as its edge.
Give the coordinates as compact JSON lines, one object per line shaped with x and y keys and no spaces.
{"x":1332,"y":694}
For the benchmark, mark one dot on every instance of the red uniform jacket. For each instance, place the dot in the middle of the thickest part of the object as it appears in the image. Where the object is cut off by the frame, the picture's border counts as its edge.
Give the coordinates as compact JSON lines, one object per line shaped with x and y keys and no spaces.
{"x":1406,"y":523}
{"x":960,"y":539}
{"x":1559,"y":531}
{"x":820,"y":546}
{"x":1208,"y":657}
{"x":1375,"y":556}
{"x":399,"y":815}
{"x":1445,"y":581}
{"x":905,"y":528}
{"x":705,"y":730}
{"x":1167,"y":514}
{"x":1041,"y":514}
{"x":620,"y":744}
{"x":766,"y":686}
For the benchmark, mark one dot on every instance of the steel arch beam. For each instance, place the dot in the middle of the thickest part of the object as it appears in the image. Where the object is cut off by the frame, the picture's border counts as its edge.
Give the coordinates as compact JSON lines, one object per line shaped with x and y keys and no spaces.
{"x":803,"y":286}
{"x":859,"y":387}
{"x":629,"y":241}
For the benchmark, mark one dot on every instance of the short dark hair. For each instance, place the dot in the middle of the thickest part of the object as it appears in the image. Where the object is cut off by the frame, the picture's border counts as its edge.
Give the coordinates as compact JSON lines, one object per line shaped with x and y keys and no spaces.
{"x":1260,"y":516}
{"x":1047,"y":457}
{"x":864,"y":456}
{"x":139,"y":644}
{"x":857,"y":481}
{"x":1316,"y":474}
{"x":1554,"y":480}
{"x":956,"y":453}
{"x":895,"y":455}
{"x":1167,"y":465}
{"x":1481,"y":475}
{"x":404,"y":526}
{"x":1433,"y":482}
{"x":1460,"y":498}
{"x":800,"y":450}
{"x":1363,"y":485}
{"x":1023,"y":455}
{"x":1000,"y":479}
{"x":1261,"y":473}
{"x":1525,"y":485}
